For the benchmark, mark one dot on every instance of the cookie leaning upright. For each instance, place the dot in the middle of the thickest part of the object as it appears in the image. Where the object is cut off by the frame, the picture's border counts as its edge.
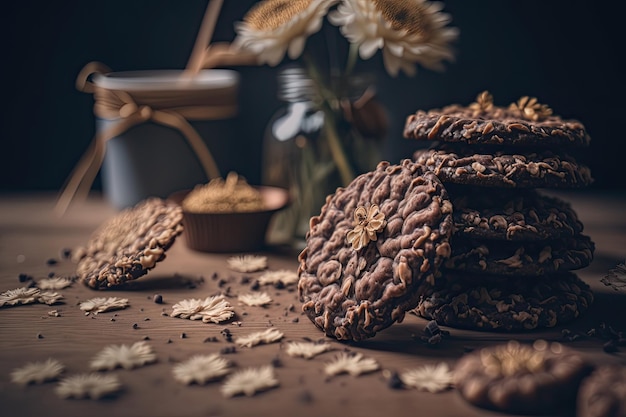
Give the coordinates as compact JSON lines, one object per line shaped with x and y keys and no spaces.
{"x":374,"y":248}
{"x":130,"y":244}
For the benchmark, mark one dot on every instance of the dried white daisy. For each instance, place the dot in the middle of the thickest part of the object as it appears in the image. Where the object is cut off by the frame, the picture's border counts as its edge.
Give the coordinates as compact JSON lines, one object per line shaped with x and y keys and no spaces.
{"x":307,"y":350}
{"x":102,"y":304}
{"x":255,"y":299}
{"x":93,"y":385}
{"x":270,"y":335}
{"x":54,"y":283}
{"x":123,"y":356}
{"x":284,"y":276}
{"x":409,"y":32}
{"x":247,"y":263}
{"x":431,"y":378}
{"x":214,"y":309}
{"x":23,"y":295}
{"x":37,"y":372}
{"x":249,"y":381}
{"x":201,"y":369}
{"x":49,"y":297}
{"x":275,"y":27}
{"x":354,"y":364}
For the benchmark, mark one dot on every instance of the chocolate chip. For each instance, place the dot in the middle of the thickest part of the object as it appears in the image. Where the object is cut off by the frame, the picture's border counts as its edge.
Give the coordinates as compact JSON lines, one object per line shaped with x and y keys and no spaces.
{"x":51,"y":262}
{"x":157,"y":298}
{"x":24,"y":277}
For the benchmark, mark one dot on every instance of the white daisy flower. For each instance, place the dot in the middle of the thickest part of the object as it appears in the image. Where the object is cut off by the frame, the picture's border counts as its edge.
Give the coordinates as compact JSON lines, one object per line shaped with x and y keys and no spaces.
{"x":270,"y":335}
{"x":23,"y":295}
{"x":201,"y":369}
{"x":307,"y":350}
{"x":54,"y":283}
{"x":409,"y":32}
{"x":275,"y":27}
{"x":286,"y":276}
{"x":247,"y":263}
{"x":93,"y":385}
{"x":255,"y":299}
{"x":431,"y":378}
{"x":249,"y":381}
{"x":37,"y":372}
{"x":49,"y":297}
{"x":101,"y":304}
{"x":123,"y":356}
{"x":354,"y":364}
{"x":214,"y":309}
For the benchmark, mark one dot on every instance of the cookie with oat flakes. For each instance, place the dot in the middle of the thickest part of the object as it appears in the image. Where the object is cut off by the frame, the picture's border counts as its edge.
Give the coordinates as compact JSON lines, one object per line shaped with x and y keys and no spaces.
{"x":523,"y":123}
{"x":504,"y":303}
{"x":503,"y":168}
{"x":130,"y":244}
{"x":373,"y":250}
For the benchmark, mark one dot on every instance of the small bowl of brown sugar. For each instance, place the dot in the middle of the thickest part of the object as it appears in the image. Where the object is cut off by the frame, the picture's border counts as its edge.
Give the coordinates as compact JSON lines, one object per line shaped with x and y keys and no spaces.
{"x":228,"y":215}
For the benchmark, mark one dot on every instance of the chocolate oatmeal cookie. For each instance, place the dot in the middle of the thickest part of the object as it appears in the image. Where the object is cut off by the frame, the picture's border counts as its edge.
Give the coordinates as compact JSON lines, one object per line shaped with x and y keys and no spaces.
{"x":503,"y":303}
{"x":520,"y":258}
{"x":506,"y":170}
{"x":504,"y":214}
{"x":525,"y":122}
{"x":130,"y":244}
{"x":537,"y":379}
{"x":373,"y":250}
{"x":603,"y":393}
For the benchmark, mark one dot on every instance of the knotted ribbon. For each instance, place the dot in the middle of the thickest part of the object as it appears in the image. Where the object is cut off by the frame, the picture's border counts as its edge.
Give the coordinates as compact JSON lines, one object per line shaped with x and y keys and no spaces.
{"x":172,"y":108}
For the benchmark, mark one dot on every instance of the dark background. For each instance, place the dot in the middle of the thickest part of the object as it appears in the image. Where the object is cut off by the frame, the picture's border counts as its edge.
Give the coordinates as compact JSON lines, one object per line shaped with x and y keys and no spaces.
{"x":565,"y":53}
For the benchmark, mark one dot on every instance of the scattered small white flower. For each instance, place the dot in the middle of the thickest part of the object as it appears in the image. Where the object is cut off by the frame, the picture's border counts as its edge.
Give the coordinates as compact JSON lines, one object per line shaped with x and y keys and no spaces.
{"x":247,"y":263}
{"x":270,"y":335}
{"x":286,"y":276}
{"x":215,"y":309}
{"x":201,"y":369}
{"x":354,"y":364}
{"x":431,"y":378}
{"x":37,"y":372}
{"x":93,"y":385}
{"x":55,"y":283}
{"x":23,"y":295}
{"x":255,"y":299}
{"x":102,"y":304}
{"x":307,"y":350}
{"x":49,"y":297}
{"x":249,"y":381}
{"x":123,"y":356}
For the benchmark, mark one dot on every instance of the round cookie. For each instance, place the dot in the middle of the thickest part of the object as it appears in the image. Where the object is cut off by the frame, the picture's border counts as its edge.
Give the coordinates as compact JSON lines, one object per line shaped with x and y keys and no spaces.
{"x":537,"y":379}
{"x":501,"y":303}
{"x":505,"y":170}
{"x":373,"y":249}
{"x":504,"y":214}
{"x":514,"y":258}
{"x":128,"y":245}
{"x":603,"y":393}
{"x":525,"y":122}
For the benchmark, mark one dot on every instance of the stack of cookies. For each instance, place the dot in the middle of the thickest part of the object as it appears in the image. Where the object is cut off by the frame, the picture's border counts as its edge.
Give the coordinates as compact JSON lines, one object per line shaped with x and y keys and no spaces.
{"x":514,"y":248}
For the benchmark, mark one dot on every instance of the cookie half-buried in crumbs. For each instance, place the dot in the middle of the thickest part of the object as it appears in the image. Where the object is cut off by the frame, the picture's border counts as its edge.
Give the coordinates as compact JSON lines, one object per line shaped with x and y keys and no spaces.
{"x":506,"y":214}
{"x":504,"y":303}
{"x":603,"y":393}
{"x":504,"y":169}
{"x":525,"y":122}
{"x":513,"y":377}
{"x":515,"y":258}
{"x":373,"y":249}
{"x":131,"y":243}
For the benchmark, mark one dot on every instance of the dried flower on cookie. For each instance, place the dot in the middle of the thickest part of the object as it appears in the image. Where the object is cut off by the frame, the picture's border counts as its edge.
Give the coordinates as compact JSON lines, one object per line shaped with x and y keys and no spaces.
{"x":367,"y":223}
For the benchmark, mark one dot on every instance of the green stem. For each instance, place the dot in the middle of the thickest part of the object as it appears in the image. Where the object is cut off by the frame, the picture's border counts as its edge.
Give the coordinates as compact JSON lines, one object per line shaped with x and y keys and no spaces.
{"x":339,"y":156}
{"x":353,"y":55}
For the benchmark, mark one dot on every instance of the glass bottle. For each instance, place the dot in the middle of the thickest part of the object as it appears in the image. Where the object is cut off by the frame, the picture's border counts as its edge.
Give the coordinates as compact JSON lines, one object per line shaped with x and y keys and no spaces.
{"x":297,"y":154}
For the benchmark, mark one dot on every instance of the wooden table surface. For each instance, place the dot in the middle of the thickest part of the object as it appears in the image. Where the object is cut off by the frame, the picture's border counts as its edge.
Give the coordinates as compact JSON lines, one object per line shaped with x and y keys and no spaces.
{"x":30,"y":235}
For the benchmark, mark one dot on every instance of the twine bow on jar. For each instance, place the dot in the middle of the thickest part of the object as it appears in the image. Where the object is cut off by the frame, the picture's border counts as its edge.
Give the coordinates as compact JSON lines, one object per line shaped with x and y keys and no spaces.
{"x":171,"y":108}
